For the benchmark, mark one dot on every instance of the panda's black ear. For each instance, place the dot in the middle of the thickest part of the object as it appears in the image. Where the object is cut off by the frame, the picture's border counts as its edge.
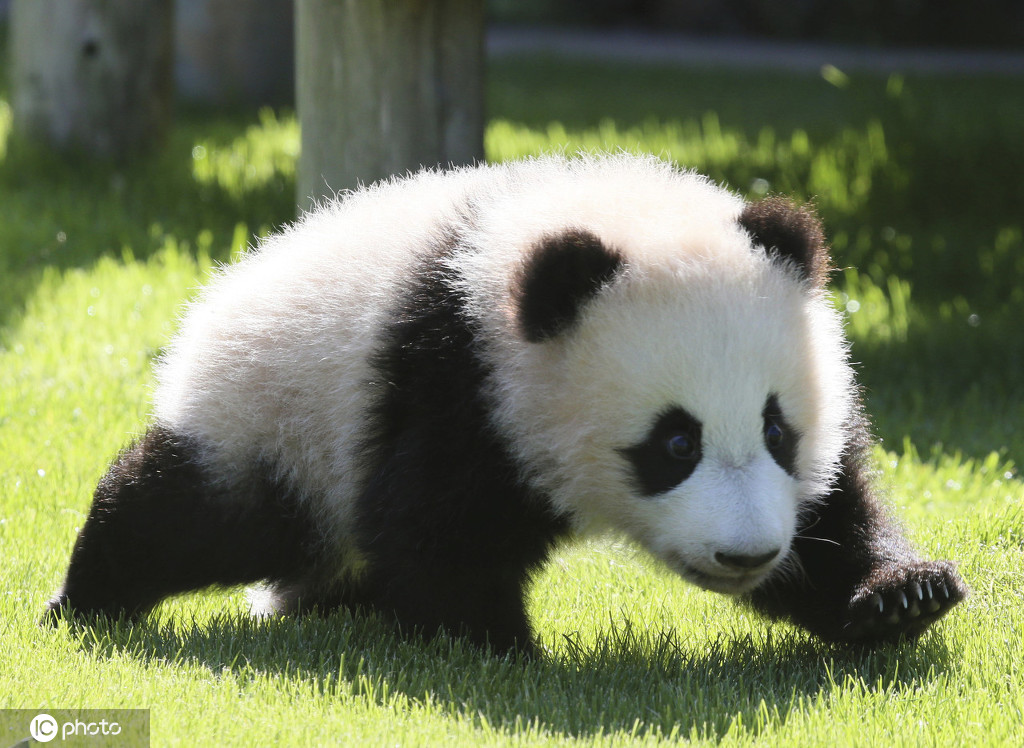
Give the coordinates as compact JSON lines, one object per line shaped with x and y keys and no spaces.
{"x":562,"y":272}
{"x":791,"y":232}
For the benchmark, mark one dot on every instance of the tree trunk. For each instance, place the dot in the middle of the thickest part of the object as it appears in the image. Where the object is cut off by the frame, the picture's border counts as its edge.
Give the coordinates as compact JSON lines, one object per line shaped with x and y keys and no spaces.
{"x":236,"y":51}
{"x":92,"y":74}
{"x":385,"y":87}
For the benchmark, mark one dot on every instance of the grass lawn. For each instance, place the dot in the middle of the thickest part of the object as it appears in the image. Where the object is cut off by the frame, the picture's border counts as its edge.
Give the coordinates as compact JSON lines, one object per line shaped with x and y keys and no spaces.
{"x":921,"y":183}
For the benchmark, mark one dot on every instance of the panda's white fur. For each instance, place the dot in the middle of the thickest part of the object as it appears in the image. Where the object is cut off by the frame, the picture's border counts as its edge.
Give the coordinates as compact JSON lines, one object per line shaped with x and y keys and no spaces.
{"x":405,"y":399}
{"x":272,"y":361}
{"x":273,"y":357}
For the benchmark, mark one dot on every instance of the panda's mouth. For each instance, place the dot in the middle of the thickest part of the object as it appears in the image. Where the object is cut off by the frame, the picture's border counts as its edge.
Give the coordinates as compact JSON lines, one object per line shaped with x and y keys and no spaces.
{"x":731,"y":584}
{"x":722,"y":584}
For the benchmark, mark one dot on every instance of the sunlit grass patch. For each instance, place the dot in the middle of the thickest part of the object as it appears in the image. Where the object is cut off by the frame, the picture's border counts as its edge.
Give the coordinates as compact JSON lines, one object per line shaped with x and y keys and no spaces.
{"x":264,"y":155}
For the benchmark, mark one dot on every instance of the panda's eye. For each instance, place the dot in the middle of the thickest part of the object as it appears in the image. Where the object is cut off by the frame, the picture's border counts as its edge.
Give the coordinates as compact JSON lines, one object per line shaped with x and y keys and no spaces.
{"x":779,"y":437}
{"x":681,"y":446}
{"x":668,"y":454}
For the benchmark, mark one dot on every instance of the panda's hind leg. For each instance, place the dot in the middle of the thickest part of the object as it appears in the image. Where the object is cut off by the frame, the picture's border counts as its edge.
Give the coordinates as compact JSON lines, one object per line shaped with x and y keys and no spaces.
{"x":311,"y":595}
{"x":159,"y":525}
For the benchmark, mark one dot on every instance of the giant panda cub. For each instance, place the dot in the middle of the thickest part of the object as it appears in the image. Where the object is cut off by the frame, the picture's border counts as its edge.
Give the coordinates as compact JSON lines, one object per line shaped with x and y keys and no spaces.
{"x":407,"y":399}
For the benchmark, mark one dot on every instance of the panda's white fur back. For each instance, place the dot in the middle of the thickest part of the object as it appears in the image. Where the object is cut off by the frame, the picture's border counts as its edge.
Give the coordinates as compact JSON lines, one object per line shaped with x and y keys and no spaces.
{"x":273,"y":358}
{"x":272,"y":361}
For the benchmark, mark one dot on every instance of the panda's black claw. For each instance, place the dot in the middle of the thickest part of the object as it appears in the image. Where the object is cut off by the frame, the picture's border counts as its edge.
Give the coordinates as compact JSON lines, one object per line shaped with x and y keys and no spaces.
{"x":904,"y":600}
{"x":908,"y":603}
{"x":929,"y":602}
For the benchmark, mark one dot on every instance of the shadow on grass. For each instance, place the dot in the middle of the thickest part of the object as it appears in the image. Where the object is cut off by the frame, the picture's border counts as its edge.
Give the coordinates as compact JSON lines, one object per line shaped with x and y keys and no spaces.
{"x":629,"y":680}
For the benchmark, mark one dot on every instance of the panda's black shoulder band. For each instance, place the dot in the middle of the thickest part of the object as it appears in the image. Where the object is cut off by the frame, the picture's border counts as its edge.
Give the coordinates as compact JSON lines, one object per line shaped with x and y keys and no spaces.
{"x":562,"y":273}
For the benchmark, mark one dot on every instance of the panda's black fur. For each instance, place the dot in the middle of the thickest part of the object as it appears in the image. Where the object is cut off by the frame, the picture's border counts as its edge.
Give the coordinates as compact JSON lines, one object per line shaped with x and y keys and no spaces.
{"x":450,"y":513}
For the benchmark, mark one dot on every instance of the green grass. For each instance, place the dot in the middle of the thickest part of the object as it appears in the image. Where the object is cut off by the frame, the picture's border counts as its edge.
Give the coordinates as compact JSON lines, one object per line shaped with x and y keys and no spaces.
{"x":919,"y":181}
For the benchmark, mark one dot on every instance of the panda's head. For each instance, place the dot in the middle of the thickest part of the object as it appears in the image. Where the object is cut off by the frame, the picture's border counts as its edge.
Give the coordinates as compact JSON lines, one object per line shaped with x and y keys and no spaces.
{"x":690,"y":390}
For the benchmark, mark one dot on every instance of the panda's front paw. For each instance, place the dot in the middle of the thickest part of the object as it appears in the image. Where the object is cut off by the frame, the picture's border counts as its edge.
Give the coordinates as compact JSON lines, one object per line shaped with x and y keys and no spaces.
{"x":904,"y":600}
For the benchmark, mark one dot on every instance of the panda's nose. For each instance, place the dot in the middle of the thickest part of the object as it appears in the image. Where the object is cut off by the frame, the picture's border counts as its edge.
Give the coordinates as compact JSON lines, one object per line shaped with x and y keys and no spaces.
{"x":745,"y":562}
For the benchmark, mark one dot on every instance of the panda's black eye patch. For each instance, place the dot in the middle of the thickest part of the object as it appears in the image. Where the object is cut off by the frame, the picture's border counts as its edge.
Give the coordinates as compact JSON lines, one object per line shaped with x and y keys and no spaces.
{"x":669,"y":453}
{"x":779,"y":437}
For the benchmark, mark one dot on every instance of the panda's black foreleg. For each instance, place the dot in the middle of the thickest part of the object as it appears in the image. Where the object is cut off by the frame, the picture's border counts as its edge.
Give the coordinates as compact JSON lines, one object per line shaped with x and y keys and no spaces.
{"x":451,"y":547}
{"x":484,"y":606}
{"x":437,"y":565}
{"x":159,"y":526}
{"x":853,"y":576}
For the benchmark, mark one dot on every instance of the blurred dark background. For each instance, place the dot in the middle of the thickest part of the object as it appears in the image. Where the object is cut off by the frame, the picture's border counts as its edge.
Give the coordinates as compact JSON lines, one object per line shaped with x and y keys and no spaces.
{"x":953,"y":23}
{"x":956,"y":23}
